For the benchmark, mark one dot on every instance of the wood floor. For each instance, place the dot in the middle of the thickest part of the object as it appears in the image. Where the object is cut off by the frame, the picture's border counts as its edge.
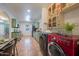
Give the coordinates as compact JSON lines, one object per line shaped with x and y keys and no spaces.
{"x":28,"y":46}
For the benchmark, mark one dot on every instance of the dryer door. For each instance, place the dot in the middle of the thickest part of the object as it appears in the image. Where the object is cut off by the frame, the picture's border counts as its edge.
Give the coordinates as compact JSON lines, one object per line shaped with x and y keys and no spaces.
{"x":55,"y":50}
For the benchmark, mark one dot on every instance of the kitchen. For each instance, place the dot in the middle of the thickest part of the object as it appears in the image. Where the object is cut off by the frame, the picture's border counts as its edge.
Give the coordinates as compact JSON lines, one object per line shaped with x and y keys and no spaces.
{"x":50,"y":29}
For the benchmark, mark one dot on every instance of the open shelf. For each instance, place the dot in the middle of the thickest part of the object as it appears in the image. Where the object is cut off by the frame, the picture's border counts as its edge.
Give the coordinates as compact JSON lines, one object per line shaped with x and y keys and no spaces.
{"x":53,"y":16}
{"x":70,"y":7}
{"x":62,"y":8}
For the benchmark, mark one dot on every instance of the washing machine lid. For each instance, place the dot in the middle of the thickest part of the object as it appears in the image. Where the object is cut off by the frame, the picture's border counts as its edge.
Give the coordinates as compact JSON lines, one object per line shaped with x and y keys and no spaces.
{"x":55,"y":50}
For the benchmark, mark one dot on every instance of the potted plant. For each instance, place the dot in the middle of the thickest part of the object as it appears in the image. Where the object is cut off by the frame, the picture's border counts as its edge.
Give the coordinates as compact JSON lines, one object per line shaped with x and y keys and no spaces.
{"x":69,"y":28}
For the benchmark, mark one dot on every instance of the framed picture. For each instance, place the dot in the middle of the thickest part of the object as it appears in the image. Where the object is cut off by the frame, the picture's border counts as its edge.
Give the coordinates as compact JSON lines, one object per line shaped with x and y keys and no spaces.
{"x":13,"y":23}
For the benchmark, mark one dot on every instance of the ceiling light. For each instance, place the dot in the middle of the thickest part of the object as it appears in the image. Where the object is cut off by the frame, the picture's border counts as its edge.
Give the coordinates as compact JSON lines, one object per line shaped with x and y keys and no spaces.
{"x":3,"y":18}
{"x":28,"y":10}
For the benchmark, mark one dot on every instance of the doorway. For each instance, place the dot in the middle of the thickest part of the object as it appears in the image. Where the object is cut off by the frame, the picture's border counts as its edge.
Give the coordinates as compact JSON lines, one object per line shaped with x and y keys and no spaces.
{"x":26,"y":29}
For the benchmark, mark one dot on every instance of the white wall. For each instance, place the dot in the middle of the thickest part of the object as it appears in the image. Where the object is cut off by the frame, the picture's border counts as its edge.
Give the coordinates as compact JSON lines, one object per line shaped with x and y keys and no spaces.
{"x":7,"y":13}
{"x":2,"y":30}
{"x":43,"y":19}
{"x":24,"y":27}
{"x":73,"y":17}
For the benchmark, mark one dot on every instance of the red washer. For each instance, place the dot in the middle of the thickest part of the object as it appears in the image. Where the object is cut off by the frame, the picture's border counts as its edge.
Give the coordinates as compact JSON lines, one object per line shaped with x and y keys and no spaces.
{"x":63,"y":45}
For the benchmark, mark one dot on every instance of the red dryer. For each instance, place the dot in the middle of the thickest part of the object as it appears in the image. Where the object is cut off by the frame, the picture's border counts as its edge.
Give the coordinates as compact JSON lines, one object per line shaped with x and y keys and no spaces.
{"x":60,"y":45}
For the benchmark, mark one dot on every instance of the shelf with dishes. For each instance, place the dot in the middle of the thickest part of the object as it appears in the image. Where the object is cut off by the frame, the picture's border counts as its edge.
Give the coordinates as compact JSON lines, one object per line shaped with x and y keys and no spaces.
{"x":54,"y":21}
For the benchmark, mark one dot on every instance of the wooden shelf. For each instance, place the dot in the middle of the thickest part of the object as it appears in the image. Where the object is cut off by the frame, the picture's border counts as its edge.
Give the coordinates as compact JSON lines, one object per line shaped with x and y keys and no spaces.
{"x":52,"y":8}
{"x":65,"y":8}
{"x":70,"y":7}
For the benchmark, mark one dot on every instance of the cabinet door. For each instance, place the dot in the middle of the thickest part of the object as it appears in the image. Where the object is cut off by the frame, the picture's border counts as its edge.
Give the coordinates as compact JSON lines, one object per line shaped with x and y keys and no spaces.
{"x":54,"y":21}
{"x":49,"y":23}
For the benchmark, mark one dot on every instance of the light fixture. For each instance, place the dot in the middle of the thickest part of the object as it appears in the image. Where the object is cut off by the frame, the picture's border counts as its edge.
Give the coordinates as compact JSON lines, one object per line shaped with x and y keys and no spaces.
{"x":28,"y":18}
{"x":3,"y":18}
{"x":28,"y":10}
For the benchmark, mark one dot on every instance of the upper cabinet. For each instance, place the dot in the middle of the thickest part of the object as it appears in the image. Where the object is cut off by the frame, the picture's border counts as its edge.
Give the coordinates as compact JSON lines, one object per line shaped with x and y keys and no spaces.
{"x":56,"y":11}
{"x":57,"y":8}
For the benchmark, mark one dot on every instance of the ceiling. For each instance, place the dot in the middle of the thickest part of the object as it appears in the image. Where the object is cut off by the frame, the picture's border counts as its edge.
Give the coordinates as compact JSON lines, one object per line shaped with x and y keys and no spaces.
{"x":19,"y":10}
